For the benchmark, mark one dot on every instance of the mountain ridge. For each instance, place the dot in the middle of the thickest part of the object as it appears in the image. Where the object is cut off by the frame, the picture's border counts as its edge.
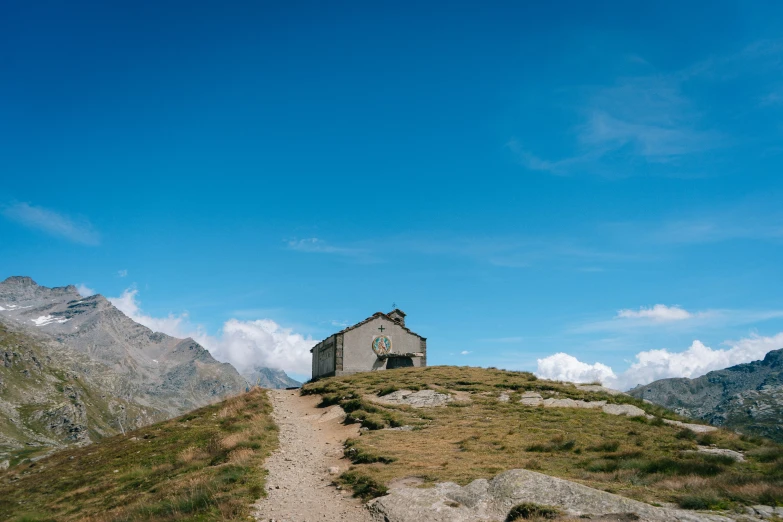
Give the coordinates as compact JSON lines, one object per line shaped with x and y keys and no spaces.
{"x":75,"y":369}
{"x":747,"y":397}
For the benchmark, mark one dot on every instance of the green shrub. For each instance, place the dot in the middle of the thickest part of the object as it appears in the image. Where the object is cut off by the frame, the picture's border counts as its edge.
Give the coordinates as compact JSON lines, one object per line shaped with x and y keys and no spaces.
{"x":329,"y":399}
{"x":602,"y":466}
{"x":363,"y":486}
{"x":528,"y":510}
{"x":558,"y":443}
{"x":605,"y":446}
{"x":359,"y":456}
{"x":387,"y":390}
{"x":696,"y":502}
{"x":668,"y":466}
{"x":686,"y":434}
{"x":766,"y":454}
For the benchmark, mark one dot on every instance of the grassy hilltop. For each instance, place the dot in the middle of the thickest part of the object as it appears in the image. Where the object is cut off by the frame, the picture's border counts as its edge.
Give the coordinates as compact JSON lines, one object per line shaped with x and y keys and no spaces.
{"x":208,"y":464}
{"x":205,"y":465}
{"x":480,"y":436}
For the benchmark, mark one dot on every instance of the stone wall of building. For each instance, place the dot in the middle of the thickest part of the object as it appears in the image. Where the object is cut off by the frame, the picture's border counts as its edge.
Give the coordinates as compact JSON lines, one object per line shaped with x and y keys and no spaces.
{"x":357,"y":351}
{"x":324,"y":359}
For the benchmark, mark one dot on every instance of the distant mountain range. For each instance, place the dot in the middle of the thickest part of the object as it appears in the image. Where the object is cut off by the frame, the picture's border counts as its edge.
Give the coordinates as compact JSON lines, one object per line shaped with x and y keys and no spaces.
{"x":269,"y":378}
{"x":74,"y":369}
{"x":747,"y":397}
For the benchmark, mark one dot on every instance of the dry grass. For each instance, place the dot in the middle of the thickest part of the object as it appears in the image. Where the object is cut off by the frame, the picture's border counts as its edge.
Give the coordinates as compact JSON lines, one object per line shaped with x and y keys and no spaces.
{"x":202,"y":466}
{"x":482,"y":437}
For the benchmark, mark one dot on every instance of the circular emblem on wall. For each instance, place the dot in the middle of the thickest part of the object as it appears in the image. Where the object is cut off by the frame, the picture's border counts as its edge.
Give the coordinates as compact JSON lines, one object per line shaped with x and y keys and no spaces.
{"x":381,"y":345}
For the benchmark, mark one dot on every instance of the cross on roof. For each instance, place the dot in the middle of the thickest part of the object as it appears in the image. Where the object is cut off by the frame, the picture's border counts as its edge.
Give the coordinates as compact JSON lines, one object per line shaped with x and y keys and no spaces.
{"x":381,"y":328}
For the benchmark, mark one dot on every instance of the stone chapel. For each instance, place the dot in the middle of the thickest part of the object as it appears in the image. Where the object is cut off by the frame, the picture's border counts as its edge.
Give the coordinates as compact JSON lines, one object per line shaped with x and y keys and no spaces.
{"x":380,"y":342}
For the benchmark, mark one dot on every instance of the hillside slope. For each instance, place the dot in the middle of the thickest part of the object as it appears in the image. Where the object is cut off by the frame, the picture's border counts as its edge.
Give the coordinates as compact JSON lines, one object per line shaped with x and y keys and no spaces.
{"x":471,"y":423}
{"x":51,"y":397}
{"x":204,"y":465}
{"x":746,"y":397}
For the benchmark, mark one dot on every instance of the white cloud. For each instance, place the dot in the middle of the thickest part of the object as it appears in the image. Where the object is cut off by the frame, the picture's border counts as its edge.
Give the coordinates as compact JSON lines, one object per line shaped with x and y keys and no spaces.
{"x":122,"y":273}
{"x":652,"y":365}
{"x":263,"y":342}
{"x":658,"y":313}
{"x":78,"y":230}
{"x":464,"y":352}
{"x":314,"y":245}
{"x":174,"y":325}
{"x":244,"y":344}
{"x":85,"y":291}
{"x":564,"y":367}
{"x":319,"y":246}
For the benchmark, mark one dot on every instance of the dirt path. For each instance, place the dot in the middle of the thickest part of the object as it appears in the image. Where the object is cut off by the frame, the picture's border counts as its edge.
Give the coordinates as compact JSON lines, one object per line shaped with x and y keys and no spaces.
{"x":299,"y":483}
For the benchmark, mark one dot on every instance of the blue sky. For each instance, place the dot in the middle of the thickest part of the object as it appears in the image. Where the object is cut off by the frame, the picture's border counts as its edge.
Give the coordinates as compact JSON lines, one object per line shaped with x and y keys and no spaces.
{"x":521,"y":180}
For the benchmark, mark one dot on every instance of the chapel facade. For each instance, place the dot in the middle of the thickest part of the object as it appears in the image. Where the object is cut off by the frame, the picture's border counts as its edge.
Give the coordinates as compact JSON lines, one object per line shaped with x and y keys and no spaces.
{"x":380,"y":342}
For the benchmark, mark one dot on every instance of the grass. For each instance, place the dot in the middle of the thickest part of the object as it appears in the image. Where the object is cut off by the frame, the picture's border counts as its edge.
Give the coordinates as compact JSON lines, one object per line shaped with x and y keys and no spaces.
{"x":203,"y":466}
{"x":529,"y":511}
{"x":647,"y":460}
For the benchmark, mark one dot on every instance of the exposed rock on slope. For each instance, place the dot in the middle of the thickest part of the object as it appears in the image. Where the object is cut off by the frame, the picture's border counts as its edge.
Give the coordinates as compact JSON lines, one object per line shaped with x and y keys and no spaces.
{"x":51,"y":396}
{"x":86,"y":349}
{"x":493,"y":499}
{"x":746,"y":397}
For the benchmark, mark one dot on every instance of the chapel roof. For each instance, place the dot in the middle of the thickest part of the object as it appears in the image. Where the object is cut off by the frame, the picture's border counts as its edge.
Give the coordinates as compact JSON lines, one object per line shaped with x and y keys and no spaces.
{"x":374,"y":316}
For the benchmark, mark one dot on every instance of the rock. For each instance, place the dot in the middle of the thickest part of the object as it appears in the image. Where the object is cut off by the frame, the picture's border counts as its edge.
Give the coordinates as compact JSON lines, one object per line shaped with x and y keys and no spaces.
{"x":531,"y":399}
{"x":484,"y":500}
{"x":764,"y":511}
{"x":598,"y":389}
{"x":334,"y":470}
{"x":504,"y":397}
{"x":571,"y":403}
{"x":419,"y":399}
{"x":736,"y":455}
{"x":628,"y":410}
{"x":534,"y":399}
{"x":697,"y":428}
{"x":4,"y":465}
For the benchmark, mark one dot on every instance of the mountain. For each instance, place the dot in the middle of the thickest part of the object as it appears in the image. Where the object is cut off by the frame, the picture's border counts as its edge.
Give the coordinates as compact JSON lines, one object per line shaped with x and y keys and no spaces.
{"x":747,"y":397}
{"x":74,"y":369}
{"x":269,"y":378}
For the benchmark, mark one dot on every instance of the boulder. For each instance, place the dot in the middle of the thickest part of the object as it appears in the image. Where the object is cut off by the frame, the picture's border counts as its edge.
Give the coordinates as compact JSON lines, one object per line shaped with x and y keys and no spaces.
{"x":698,"y":428}
{"x":598,"y":389}
{"x":628,"y":410}
{"x":419,"y":399}
{"x":485,"y":500}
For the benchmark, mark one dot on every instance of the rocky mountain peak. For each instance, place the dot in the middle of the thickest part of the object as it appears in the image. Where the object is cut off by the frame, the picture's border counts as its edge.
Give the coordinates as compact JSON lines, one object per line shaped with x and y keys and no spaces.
{"x":23,"y":288}
{"x":774,"y":359}
{"x":19,"y":281}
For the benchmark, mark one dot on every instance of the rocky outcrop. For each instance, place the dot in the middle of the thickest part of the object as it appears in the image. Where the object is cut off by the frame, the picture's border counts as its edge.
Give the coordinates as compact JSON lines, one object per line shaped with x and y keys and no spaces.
{"x":536,"y":399}
{"x":746,"y":397}
{"x":493,"y":499}
{"x":419,"y":399}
